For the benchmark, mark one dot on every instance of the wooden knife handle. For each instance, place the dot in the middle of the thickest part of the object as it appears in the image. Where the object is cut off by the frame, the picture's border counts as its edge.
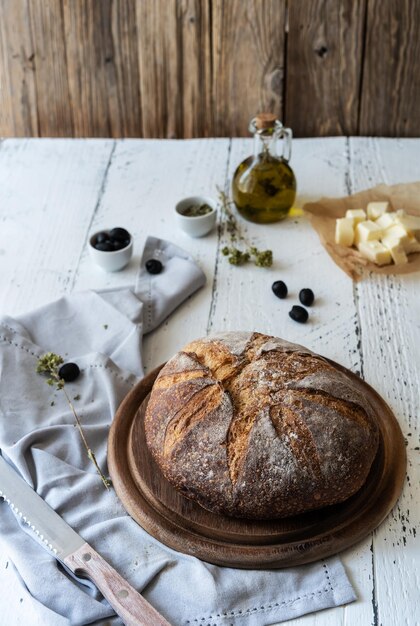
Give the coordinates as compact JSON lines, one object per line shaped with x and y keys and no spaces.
{"x":133,"y":609}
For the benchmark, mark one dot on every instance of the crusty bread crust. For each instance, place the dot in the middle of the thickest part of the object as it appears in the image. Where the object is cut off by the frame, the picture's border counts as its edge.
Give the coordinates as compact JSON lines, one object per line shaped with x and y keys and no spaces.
{"x":253,"y":426}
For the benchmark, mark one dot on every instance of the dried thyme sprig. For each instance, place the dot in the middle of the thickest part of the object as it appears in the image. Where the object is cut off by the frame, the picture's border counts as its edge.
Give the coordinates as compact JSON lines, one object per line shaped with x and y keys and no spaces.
{"x":49,"y":364}
{"x":236,"y":256}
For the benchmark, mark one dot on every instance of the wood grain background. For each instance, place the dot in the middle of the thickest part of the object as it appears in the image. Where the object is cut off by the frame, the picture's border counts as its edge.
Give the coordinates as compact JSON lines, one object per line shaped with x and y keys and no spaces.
{"x":201,"y":68}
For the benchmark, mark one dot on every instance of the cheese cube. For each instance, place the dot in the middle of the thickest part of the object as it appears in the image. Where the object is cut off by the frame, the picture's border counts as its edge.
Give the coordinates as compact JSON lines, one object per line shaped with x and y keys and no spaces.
{"x":357,"y":215}
{"x":386,"y":220}
{"x":411,"y":245}
{"x":376,"y":209}
{"x":344,"y":232}
{"x":410,"y":222}
{"x":367,"y":231}
{"x":374,"y":251}
{"x":396,"y":249}
{"x":397,"y":232}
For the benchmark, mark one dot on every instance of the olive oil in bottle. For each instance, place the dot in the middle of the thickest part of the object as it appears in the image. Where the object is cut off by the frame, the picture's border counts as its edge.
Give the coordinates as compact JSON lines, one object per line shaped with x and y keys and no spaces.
{"x":264,"y":185}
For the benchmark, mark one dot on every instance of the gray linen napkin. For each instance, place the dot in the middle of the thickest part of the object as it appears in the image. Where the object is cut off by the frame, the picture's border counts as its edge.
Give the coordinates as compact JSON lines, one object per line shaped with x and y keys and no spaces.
{"x":102,"y":332}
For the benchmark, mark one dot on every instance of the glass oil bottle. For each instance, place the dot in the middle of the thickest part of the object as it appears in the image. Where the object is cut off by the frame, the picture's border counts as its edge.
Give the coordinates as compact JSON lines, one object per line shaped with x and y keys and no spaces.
{"x":264,"y":185}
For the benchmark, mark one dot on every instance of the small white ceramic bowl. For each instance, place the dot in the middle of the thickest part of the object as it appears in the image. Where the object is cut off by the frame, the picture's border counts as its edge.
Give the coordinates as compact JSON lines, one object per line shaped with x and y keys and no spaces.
{"x":199,"y":225}
{"x":113,"y":260}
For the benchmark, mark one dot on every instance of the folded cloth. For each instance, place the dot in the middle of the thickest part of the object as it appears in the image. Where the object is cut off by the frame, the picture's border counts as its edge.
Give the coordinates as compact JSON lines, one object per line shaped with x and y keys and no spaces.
{"x":102,"y":332}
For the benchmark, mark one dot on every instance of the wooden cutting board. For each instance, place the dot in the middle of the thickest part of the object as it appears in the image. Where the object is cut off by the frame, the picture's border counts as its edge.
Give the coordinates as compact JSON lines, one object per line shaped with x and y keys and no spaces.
{"x":187,"y":527}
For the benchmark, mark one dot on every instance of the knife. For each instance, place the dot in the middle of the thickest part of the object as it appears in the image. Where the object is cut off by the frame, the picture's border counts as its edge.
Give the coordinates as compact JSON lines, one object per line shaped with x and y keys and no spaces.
{"x":71,"y":549}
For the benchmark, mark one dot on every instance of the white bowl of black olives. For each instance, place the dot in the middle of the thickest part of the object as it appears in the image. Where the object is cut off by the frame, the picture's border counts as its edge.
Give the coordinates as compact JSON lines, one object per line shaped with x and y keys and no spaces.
{"x":111,"y":249}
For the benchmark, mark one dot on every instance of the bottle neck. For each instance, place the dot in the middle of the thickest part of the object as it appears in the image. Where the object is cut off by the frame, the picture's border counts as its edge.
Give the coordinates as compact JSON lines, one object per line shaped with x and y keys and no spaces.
{"x":265,"y":145}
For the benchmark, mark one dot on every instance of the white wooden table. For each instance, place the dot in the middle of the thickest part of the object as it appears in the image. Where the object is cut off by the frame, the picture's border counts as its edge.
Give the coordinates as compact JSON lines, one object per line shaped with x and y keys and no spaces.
{"x":54,"y":193}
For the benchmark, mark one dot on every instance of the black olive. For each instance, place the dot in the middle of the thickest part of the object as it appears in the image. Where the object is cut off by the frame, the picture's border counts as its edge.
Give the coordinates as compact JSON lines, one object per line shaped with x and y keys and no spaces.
{"x":101,"y":237}
{"x":299,"y":314}
{"x":69,"y":372}
{"x":117,"y":245}
{"x":119,"y":234}
{"x":279,"y":289}
{"x":153,"y":266}
{"x":105,"y":246}
{"x":306,"y":296}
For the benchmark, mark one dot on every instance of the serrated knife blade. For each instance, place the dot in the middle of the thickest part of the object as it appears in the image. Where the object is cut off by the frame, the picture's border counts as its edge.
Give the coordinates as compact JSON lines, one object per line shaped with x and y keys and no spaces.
{"x":71,"y":549}
{"x":51,"y":529}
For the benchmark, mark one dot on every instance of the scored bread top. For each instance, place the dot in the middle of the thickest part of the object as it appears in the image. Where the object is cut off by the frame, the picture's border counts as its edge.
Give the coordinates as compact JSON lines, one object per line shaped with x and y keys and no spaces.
{"x":254,"y":426}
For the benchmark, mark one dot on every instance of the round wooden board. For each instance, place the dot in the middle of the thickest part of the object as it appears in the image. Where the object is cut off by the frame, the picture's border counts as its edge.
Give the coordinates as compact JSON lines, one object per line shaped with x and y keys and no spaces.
{"x":185,"y":526}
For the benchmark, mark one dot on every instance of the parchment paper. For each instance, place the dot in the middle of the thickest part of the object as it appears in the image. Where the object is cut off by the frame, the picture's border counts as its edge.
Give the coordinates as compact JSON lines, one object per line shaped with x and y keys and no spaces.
{"x":323,"y":214}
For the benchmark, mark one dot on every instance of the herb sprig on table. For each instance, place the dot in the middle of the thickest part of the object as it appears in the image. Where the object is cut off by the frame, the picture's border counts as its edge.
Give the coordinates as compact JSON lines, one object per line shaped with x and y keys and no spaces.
{"x":240,"y":250}
{"x":50,"y":364}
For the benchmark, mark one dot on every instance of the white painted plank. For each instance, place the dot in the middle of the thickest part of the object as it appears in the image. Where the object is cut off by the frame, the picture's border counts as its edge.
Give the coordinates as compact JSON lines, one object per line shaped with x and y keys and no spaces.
{"x":244,"y":301}
{"x":398,"y":159}
{"x":389,"y":310}
{"x":145,"y":181}
{"x":48,"y":193}
{"x":299,"y":260}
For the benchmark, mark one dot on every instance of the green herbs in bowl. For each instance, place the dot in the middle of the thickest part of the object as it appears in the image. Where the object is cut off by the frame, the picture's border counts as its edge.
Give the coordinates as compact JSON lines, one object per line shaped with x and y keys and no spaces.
{"x":196,"y":215}
{"x":196,"y":210}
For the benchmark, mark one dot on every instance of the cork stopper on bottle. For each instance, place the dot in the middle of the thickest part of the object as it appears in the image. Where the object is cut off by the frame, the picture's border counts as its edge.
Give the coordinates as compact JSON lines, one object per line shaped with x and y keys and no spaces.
{"x":264,"y":121}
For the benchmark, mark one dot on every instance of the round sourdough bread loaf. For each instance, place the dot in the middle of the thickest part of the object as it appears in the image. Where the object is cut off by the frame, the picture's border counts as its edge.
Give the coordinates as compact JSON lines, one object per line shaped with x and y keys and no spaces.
{"x":253,"y":426}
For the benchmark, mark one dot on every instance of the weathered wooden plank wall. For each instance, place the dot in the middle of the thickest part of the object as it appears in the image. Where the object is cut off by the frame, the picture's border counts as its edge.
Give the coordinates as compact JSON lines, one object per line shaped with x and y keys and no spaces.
{"x":197,"y":68}
{"x":248,"y":56}
{"x":324,"y":66}
{"x":391,"y":87}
